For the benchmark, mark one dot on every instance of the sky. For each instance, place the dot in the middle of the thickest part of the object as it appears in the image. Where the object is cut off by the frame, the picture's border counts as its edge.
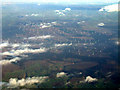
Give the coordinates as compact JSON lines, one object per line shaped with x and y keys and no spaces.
{"x":63,"y":1}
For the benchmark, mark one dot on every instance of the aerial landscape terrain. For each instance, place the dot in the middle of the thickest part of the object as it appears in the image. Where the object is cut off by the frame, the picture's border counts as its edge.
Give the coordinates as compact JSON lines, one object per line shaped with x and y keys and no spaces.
{"x":59,"y":46}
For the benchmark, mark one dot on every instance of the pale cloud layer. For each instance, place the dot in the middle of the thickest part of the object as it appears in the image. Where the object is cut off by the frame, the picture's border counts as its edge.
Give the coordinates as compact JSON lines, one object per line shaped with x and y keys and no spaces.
{"x":110,"y":8}
{"x":62,"y":1}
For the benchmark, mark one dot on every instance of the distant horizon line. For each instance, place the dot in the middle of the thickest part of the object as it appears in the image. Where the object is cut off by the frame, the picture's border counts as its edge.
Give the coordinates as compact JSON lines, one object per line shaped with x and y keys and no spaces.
{"x":92,"y":3}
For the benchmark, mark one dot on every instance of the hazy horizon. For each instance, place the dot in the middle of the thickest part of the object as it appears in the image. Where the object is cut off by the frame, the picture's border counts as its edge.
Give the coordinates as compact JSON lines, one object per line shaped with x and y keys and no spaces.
{"x":62,"y":1}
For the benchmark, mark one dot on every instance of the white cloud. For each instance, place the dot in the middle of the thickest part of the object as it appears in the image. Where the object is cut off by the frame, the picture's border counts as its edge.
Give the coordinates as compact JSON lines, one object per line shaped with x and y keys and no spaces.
{"x":101,"y":24}
{"x":57,"y":11}
{"x":54,"y":23}
{"x":64,"y":44}
{"x":25,"y":45}
{"x":61,"y":13}
{"x":81,"y":22}
{"x":117,"y":43}
{"x":46,"y":26}
{"x":89,"y":79}
{"x":5,"y":44}
{"x":67,"y":9}
{"x":5,"y":62}
{"x":110,"y":8}
{"x":14,"y":82}
{"x":17,"y":49}
{"x":38,"y":4}
{"x":39,"y":37}
{"x":34,"y":14}
{"x":61,"y":74}
{"x":13,"y":45}
{"x":24,"y":51}
{"x":26,"y":15}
